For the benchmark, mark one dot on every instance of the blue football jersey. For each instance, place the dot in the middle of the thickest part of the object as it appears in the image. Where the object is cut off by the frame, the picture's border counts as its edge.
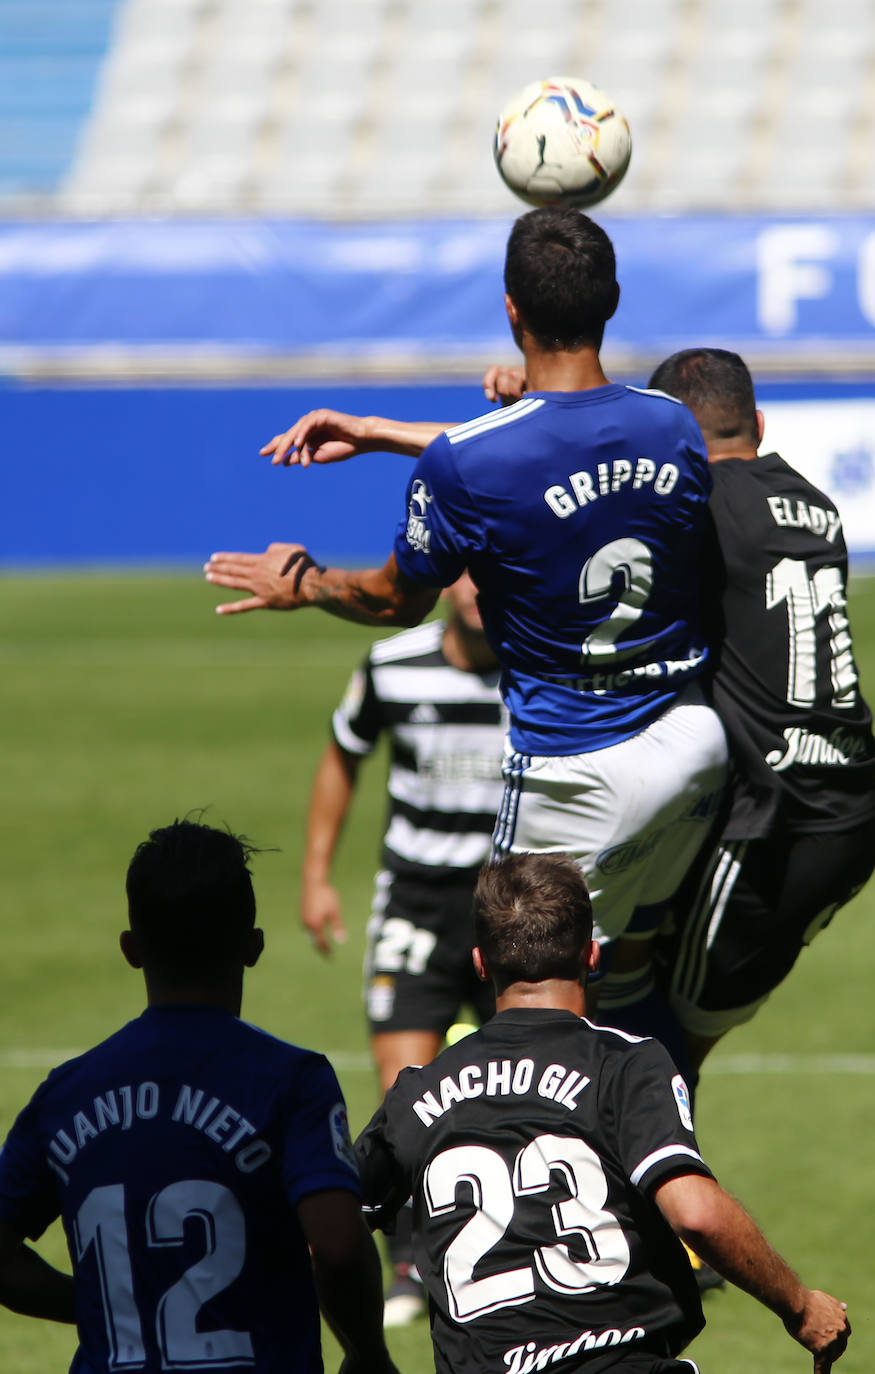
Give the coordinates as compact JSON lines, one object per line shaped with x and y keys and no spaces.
{"x":175,"y":1153}
{"x":580,"y":516}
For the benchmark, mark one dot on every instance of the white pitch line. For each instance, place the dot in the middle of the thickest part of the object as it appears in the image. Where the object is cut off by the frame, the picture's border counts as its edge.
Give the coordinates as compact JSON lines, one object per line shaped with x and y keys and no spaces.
{"x":791,"y":1063}
{"x":359,"y":1061}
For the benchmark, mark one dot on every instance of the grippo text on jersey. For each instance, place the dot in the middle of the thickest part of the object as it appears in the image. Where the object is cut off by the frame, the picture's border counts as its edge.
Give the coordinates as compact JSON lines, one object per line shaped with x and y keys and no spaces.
{"x":608,"y":479}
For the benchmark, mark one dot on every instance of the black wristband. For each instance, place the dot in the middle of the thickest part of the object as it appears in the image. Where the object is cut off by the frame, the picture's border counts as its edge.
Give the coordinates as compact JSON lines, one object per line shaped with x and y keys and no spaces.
{"x":299,"y":563}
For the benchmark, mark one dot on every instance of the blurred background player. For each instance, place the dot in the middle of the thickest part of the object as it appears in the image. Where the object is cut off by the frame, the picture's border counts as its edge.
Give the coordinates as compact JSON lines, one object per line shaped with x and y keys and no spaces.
{"x":797,"y":837}
{"x":202,"y":1168}
{"x":434,"y":692}
{"x":580,"y":515}
{"x":565,"y":1153}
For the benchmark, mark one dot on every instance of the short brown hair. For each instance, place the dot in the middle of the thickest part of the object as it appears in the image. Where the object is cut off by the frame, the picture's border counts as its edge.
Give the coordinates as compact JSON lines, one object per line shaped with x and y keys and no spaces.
{"x":716,"y":386}
{"x":533,"y":918}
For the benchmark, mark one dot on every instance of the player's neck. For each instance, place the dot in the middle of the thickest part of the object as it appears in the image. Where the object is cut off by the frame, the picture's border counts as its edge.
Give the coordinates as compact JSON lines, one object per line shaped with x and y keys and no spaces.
{"x":554,"y":994}
{"x":577,"y":370}
{"x":716,"y":452}
{"x":221,"y":995}
{"x":467,"y":649}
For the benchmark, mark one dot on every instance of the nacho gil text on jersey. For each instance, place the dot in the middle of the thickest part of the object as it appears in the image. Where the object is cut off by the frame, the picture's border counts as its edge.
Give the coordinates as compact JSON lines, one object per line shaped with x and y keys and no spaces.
{"x":504,"y":1078}
{"x":522,"y":1359}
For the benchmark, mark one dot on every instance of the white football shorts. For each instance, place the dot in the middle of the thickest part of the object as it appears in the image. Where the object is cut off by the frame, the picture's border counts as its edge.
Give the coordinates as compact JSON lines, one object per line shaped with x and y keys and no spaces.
{"x":634,"y":815}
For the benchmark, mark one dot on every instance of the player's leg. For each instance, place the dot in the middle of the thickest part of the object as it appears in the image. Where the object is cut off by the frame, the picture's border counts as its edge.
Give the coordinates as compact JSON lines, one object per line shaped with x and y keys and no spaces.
{"x":634,"y":815}
{"x":757,"y":905}
{"x":629,"y":998}
{"x":396,"y":1050}
{"x":417,"y":966}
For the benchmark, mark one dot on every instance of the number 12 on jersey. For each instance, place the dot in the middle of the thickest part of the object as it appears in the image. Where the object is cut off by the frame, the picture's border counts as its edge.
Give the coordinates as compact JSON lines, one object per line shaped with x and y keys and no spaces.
{"x":101,"y":1222}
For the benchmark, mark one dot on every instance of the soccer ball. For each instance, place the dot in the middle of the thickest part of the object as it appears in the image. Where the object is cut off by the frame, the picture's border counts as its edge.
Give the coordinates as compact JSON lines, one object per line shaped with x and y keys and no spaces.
{"x":562,"y":142}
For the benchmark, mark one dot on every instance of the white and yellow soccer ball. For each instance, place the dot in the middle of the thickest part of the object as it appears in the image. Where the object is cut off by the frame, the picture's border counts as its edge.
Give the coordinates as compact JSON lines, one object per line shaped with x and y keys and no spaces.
{"x":562,"y":141}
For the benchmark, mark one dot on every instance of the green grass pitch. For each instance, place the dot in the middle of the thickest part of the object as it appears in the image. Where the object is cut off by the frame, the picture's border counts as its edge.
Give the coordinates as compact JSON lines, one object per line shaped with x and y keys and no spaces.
{"x":126,"y":702}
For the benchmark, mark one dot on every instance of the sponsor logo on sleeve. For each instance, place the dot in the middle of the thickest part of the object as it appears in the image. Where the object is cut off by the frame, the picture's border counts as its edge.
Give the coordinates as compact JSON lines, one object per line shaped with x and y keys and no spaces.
{"x":341,"y":1141}
{"x":682,"y":1098}
{"x":418,"y":533}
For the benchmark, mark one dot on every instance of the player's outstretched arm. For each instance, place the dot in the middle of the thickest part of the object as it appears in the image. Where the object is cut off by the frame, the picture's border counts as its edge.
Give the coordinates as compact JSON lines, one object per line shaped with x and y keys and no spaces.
{"x":285,"y":578}
{"x":330,"y":799}
{"x":31,"y":1286}
{"x":719,"y":1230}
{"x":348,"y":1276}
{"x":331,"y":436}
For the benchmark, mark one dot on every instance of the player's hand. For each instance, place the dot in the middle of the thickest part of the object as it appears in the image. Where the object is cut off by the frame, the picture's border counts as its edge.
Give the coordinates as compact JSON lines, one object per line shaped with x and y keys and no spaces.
{"x":320,"y":436}
{"x":504,"y":384}
{"x":272,"y":579}
{"x":822,"y":1328}
{"x":321,"y":915}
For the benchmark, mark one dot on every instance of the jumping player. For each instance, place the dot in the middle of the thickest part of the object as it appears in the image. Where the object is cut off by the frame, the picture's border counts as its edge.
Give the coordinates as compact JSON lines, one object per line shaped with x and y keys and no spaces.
{"x":553,"y":1166}
{"x":580,"y":514}
{"x":202,"y":1168}
{"x":798,"y":830}
{"x":433,"y":692}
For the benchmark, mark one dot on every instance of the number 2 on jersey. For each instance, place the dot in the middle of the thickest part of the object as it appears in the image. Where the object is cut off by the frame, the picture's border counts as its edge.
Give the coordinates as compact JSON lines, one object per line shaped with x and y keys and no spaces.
{"x":495,"y":1191}
{"x":626,"y":562}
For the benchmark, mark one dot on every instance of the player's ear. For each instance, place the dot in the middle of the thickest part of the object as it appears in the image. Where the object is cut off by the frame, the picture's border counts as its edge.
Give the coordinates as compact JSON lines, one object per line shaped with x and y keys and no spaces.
{"x":761,"y":427}
{"x":593,"y":957}
{"x":254,"y":947}
{"x":513,"y":314}
{"x":128,"y":945}
{"x":481,"y":968}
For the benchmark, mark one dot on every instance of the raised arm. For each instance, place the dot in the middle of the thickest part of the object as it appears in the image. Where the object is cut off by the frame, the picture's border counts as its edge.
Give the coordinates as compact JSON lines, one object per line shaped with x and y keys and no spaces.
{"x":504,"y":384}
{"x":285,"y":578}
{"x":330,"y":798}
{"x":718,"y":1229}
{"x":330,"y":436}
{"x":348,"y":1277}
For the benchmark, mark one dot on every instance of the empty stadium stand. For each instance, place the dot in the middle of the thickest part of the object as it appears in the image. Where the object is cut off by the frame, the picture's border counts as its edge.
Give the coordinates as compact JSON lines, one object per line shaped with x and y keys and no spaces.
{"x":375,"y":108}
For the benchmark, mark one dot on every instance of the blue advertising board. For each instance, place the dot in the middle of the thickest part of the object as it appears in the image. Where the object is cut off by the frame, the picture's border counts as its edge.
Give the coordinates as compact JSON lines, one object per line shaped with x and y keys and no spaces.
{"x":801,"y":290}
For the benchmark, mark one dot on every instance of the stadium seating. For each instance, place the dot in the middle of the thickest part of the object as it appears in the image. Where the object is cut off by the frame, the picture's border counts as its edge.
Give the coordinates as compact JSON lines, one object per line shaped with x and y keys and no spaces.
{"x":380,"y":107}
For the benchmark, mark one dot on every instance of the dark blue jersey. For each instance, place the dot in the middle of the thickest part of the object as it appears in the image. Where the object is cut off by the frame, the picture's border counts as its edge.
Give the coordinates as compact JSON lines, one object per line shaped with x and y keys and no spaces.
{"x":175,"y":1153}
{"x":580,"y":516}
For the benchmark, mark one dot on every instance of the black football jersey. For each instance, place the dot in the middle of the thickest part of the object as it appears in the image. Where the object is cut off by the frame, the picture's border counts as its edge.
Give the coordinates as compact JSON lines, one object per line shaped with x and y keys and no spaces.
{"x":785,"y":682}
{"x":531,"y":1149}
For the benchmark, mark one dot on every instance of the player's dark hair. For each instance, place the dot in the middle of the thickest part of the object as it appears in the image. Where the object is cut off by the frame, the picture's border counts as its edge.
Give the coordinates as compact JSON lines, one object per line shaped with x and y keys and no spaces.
{"x":717,"y":387}
{"x":532,"y":918}
{"x":561,"y":273}
{"x":190,"y":899}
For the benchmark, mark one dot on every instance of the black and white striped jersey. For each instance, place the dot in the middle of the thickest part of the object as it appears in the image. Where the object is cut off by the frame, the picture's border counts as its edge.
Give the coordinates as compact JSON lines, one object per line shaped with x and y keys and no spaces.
{"x":446,"y":732}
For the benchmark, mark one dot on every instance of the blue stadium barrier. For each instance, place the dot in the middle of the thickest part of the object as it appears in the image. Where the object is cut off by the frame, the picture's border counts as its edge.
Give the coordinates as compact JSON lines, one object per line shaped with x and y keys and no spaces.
{"x":134,"y":476}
